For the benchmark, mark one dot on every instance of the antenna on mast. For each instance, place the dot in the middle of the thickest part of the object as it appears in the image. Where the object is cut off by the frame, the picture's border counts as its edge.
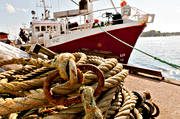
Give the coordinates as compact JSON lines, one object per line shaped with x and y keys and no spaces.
{"x":46,"y":12}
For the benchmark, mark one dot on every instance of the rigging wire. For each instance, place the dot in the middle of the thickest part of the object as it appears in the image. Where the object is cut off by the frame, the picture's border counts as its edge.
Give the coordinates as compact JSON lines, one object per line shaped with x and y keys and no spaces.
{"x":143,"y":52}
{"x":75,"y":2}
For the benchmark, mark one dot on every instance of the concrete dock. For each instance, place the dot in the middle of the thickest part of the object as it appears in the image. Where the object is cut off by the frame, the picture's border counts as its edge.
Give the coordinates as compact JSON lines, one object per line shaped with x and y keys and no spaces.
{"x":165,"y":93}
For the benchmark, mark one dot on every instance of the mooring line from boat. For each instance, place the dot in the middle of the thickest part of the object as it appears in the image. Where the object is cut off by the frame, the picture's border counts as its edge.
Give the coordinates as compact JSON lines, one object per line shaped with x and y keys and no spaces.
{"x":143,"y":52}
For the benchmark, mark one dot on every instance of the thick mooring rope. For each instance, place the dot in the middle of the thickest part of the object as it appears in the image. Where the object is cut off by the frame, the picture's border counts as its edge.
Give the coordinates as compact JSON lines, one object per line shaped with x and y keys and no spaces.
{"x":143,"y":52}
{"x":24,"y":92}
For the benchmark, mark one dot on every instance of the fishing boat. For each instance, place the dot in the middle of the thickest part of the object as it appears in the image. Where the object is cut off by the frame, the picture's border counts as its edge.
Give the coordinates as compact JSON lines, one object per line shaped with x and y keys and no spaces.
{"x":82,"y":30}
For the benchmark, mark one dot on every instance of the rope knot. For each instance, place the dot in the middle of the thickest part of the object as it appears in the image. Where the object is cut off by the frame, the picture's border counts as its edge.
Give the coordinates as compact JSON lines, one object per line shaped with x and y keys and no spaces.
{"x":66,"y":65}
{"x":66,"y":101}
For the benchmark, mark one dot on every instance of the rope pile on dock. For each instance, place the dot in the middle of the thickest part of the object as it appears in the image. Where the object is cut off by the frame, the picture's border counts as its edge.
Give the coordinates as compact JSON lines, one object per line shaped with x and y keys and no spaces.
{"x":71,"y":86}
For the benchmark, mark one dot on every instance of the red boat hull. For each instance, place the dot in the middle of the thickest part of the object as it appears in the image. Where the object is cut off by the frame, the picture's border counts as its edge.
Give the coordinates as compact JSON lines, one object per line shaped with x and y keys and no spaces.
{"x":103,"y":41}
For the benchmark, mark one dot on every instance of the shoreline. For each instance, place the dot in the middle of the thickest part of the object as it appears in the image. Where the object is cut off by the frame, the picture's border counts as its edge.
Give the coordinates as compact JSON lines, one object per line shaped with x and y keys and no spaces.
{"x":159,"y":36}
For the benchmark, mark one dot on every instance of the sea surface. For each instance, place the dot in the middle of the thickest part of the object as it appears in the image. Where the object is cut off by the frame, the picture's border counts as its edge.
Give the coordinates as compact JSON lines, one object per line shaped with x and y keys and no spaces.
{"x":166,"y":48}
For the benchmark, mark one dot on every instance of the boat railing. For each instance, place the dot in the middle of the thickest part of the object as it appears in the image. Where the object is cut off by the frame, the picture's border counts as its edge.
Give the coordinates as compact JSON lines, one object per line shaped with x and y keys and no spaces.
{"x":142,"y":16}
{"x":134,"y":14}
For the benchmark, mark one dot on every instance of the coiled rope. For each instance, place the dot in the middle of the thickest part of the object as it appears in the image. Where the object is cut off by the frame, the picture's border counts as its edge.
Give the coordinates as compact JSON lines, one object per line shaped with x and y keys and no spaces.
{"x":32,"y":92}
{"x":141,"y":51}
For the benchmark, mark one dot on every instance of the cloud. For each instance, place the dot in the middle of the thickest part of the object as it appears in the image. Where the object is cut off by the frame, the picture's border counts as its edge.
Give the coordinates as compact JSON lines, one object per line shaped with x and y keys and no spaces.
{"x":10,"y":9}
{"x":22,"y":10}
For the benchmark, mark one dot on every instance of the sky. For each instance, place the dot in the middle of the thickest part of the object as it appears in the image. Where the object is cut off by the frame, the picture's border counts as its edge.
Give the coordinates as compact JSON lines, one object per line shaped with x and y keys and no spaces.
{"x":17,"y":13}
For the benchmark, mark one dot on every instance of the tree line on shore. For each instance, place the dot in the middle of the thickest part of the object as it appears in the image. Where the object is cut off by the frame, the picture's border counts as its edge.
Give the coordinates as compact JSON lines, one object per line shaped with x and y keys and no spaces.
{"x":154,"y":33}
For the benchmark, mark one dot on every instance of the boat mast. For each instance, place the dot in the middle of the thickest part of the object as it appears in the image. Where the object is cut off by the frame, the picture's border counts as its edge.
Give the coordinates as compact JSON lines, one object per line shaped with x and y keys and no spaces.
{"x":113,"y":6}
{"x":46,"y":12}
{"x":90,"y":9}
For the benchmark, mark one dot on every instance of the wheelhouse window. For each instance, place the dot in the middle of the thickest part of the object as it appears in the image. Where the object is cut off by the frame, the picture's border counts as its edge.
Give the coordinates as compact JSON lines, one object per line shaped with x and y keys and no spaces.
{"x":43,"y":28}
{"x":49,"y":28}
{"x":37,"y":29}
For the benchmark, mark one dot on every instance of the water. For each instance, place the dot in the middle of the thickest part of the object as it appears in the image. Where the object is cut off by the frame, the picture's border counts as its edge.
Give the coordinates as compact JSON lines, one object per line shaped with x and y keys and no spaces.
{"x":166,"y":48}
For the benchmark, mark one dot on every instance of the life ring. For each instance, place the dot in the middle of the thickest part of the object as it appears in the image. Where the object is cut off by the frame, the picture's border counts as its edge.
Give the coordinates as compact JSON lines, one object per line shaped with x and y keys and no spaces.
{"x":123,"y":3}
